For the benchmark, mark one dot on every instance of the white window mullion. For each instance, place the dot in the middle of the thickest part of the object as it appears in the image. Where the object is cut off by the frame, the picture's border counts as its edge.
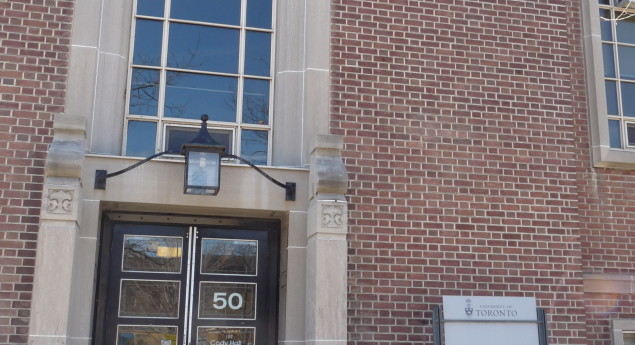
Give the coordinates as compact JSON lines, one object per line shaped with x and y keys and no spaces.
{"x":163,"y":78}
{"x":241,"y":79}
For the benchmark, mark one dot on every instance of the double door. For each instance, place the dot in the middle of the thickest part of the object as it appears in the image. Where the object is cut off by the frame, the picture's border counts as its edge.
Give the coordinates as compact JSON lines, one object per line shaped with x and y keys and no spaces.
{"x":175,"y":284}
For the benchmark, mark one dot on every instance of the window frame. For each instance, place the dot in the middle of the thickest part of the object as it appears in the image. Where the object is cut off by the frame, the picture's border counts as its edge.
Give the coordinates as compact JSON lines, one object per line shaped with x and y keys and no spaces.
{"x":603,"y":156}
{"x":162,"y":122}
{"x":619,"y":327}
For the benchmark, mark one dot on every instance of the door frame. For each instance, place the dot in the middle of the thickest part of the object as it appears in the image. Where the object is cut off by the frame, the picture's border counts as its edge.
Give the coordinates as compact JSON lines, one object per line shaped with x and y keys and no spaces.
{"x":109,"y":219}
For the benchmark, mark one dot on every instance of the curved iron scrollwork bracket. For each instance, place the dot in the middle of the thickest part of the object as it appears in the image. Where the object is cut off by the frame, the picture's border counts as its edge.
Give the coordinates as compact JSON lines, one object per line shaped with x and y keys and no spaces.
{"x":102,"y":175}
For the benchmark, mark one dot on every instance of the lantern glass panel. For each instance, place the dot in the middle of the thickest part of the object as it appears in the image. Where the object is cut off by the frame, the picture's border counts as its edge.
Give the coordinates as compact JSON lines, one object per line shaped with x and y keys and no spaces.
{"x":203,"y":172}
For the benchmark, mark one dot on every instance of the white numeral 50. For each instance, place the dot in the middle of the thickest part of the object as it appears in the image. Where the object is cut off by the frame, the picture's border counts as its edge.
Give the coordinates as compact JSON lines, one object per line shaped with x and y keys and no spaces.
{"x":234,"y":301}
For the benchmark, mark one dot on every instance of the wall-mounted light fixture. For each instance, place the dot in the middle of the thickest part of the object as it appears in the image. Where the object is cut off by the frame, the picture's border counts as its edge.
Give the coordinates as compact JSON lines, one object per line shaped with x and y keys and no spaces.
{"x":202,"y":166}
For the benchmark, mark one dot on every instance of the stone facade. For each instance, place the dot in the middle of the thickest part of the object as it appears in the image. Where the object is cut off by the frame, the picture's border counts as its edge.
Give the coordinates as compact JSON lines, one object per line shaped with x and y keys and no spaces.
{"x":440,"y":148}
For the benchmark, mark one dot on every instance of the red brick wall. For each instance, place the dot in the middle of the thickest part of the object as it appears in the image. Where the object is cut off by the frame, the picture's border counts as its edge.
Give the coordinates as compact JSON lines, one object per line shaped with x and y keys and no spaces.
{"x":461,"y":145}
{"x":607,"y":210}
{"x":34,"y":47}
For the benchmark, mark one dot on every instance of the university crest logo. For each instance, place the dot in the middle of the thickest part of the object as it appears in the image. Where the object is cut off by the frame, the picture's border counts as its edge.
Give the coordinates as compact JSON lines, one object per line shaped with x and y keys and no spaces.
{"x":468,"y":307}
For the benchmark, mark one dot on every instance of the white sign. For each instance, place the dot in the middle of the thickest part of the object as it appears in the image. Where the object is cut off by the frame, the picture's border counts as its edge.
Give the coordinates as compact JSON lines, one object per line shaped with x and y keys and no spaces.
{"x":476,"y":320}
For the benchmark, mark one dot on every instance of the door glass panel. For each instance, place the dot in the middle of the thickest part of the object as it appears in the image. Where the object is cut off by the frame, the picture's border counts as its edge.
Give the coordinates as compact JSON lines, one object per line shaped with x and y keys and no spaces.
{"x":149,"y":298}
{"x":144,"y":335}
{"x":221,"y":300}
{"x":152,"y":254}
{"x":226,"y":335}
{"x":225,"y":256}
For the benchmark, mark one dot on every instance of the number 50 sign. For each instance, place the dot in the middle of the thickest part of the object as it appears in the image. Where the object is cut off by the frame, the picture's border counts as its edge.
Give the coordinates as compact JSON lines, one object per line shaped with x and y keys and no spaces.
{"x":219,"y":300}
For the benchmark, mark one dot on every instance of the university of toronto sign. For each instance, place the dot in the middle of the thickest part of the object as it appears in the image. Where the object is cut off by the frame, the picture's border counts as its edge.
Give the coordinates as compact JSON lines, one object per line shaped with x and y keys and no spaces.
{"x":476,"y":320}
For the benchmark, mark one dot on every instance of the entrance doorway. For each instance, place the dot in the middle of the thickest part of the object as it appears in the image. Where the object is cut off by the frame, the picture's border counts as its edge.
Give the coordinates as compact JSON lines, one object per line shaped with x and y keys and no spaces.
{"x":173,"y":284}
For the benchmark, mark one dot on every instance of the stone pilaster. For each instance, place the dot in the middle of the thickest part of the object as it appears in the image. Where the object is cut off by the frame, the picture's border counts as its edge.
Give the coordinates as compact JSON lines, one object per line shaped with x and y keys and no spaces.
{"x":59,"y":225}
{"x":327,"y":224}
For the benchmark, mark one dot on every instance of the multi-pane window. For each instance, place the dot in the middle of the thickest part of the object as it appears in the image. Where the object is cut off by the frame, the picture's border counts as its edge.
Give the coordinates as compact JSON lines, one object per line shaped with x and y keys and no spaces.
{"x":193,"y":57}
{"x":618,"y":48}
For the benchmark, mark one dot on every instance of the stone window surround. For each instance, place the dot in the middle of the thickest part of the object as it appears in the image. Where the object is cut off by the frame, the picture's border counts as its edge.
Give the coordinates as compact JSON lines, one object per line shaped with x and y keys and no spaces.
{"x":619,"y":327}
{"x":162,"y":119}
{"x":602,"y":154}
{"x":99,"y":67}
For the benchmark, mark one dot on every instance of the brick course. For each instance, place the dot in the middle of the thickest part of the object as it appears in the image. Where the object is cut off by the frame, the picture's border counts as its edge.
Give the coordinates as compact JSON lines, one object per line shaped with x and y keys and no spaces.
{"x":34,"y":48}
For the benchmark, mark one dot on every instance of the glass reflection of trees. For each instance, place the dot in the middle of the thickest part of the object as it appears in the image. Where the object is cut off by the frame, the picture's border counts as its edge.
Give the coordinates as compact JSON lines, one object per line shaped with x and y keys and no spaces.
{"x":214,"y":335}
{"x":149,"y":298}
{"x":229,"y":256}
{"x":152,"y":254}
{"x":145,"y":335}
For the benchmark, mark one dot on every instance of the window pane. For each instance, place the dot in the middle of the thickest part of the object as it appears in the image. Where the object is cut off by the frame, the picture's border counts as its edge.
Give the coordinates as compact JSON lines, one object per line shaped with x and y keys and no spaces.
{"x":143,"y":335}
{"x":225,"y":335}
{"x":149,"y":298}
{"x":609,"y":61}
{"x":144,"y":91}
{"x":629,"y":338}
{"x":605,"y":25}
{"x":203,"y":48}
{"x":177,"y":136}
{"x":221,"y":256}
{"x":152,"y":254}
{"x":258,"y":53}
{"x":256,"y":101}
{"x":625,"y":30}
{"x":254,"y":146}
{"x":259,"y":13}
{"x":233,"y":301}
{"x":627,"y":62}
{"x":150,"y":8}
{"x":141,"y":138}
{"x":216,"y":11}
{"x":628,"y":99}
{"x":189,"y":95}
{"x":630,"y":135}
{"x":611,"y":97}
{"x":147,"y":42}
{"x":615,"y":134}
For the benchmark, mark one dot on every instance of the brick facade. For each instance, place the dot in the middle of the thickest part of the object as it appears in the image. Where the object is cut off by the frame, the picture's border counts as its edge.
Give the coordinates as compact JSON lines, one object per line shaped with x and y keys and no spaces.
{"x":34,"y":47}
{"x":467,"y":146}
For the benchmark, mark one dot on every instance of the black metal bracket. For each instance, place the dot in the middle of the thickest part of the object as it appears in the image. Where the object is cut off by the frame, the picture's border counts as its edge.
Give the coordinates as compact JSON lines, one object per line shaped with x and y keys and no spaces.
{"x":102,"y":175}
{"x":289,"y":187}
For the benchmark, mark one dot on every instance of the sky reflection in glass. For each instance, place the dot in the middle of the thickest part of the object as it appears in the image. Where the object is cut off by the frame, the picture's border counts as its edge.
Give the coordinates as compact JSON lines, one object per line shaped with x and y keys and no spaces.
{"x":203,"y":48}
{"x":189,"y":95}
{"x":213,"y":11}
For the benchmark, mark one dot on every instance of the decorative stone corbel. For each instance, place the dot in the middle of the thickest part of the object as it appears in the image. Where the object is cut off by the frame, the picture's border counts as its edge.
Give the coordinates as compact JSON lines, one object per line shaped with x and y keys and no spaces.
{"x":63,"y":169}
{"x":328,"y":173}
